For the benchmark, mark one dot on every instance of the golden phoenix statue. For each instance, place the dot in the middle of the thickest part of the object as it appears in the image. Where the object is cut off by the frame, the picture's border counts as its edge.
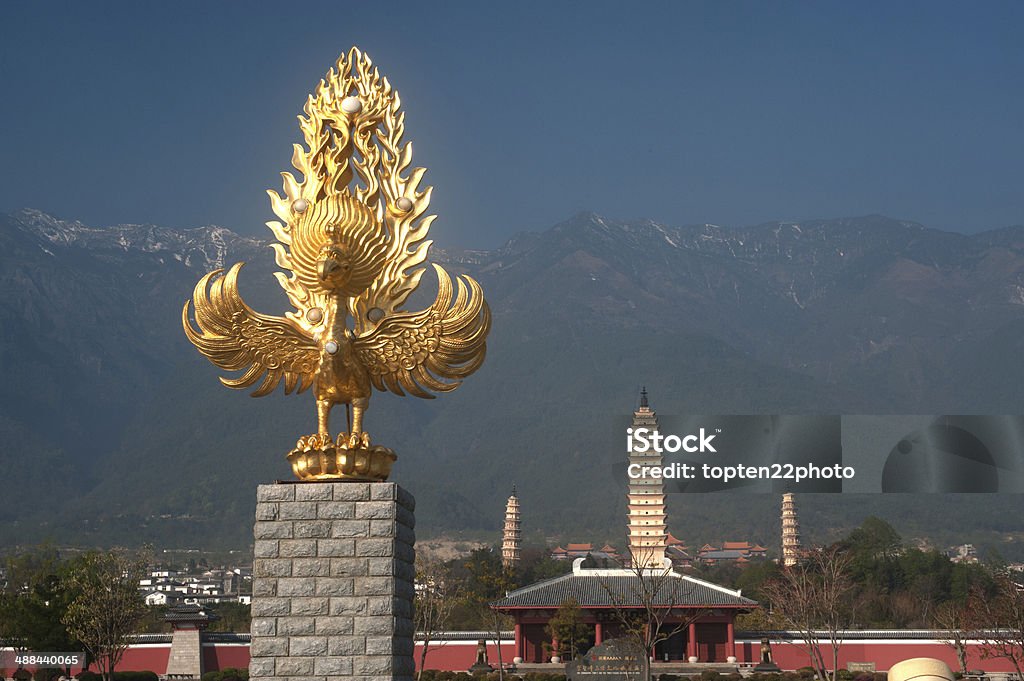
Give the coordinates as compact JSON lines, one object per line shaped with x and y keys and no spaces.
{"x":353,"y":238}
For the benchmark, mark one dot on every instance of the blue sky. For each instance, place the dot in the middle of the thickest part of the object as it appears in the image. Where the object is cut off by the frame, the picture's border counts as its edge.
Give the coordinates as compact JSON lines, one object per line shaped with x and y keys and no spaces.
{"x":183,"y":113}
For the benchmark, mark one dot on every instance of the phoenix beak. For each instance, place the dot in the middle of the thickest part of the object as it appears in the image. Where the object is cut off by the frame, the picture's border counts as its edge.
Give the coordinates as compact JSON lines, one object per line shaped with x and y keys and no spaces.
{"x":328,"y":266}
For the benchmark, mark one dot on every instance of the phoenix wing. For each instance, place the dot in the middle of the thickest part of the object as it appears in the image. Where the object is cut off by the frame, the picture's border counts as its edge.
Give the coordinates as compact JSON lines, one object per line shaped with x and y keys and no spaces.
{"x":433,"y":349}
{"x":235,"y":337}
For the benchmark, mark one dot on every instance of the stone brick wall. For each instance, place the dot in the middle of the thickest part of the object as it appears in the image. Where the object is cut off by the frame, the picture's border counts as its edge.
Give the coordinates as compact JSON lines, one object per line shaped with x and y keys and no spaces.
{"x":333,"y":582}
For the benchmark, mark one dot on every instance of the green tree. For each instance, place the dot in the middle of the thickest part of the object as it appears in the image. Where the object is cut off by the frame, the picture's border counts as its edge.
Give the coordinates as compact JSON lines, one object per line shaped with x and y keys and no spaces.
{"x":875,"y":538}
{"x":537,"y":564}
{"x":485,"y":577}
{"x":568,"y":628}
{"x":33,"y":601}
{"x":234,"y":617}
{"x":755,"y":575}
{"x":107,"y":605}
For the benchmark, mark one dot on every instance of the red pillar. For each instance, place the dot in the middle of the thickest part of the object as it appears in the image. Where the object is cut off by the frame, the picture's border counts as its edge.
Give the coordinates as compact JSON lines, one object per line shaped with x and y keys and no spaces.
{"x":598,"y":634}
{"x":730,"y":636}
{"x":691,"y":643}
{"x":519,"y":639}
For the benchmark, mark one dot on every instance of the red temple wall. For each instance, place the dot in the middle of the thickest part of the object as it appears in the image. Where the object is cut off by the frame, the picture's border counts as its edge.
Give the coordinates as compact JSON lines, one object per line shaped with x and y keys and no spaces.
{"x":218,"y":656}
{"x":459,"y":655}
{"x":884,"y":653}
{"x":147,"y":656}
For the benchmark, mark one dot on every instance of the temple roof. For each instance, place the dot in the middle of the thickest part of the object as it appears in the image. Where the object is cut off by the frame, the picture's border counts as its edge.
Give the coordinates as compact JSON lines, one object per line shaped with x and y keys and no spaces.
{"x":722,"y":555}
{"x":188,"y":613}
{"x":611,"y":588}
{"x":674,"y":541}
{"x":579,"y":547}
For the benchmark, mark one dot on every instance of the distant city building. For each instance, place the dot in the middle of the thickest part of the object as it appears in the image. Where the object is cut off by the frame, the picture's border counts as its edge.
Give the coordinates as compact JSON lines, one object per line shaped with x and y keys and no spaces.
{"x":170,"y":587}
{"x":965,"y":553}
{"x":790,"y":531}
{"x":161,"y":598}
{"x":648,"y":529}
{"x":513,"y":532}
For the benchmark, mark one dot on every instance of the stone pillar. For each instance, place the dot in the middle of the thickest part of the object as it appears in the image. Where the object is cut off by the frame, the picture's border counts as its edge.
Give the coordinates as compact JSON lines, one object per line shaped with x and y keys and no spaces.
{"x":333,"y":582}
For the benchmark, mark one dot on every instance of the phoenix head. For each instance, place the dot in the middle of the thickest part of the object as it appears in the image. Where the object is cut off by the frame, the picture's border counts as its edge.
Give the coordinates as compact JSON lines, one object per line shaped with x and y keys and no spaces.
{"x":342,"y":242}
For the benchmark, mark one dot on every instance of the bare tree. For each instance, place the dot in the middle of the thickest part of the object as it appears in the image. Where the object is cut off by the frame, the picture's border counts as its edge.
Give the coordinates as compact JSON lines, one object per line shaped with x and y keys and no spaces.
{"x":952,"y":618}
{"x":999,"y":622}
{"x":107,"y":604}
{"x":437,"y":593}
{"x":813,"y":598}
{"x":498,"y":621}
{"x":647,"y":606}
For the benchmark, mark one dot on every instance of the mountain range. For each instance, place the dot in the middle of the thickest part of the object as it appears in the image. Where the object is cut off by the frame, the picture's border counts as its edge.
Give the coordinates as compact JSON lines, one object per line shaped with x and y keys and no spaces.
{"x":113,"y":429}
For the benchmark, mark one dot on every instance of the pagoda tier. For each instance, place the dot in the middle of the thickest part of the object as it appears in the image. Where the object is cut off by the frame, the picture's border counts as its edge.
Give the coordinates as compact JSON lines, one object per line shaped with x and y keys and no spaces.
{"x":648,"y":529}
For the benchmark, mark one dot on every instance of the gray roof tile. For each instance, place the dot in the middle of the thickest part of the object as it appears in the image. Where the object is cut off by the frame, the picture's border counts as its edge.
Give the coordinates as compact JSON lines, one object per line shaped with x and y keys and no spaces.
{"x":621,"y":590}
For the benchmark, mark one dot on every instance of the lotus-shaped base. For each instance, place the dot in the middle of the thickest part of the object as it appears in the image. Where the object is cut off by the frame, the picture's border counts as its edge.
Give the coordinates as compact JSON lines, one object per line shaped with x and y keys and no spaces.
{"x":350,"y":457}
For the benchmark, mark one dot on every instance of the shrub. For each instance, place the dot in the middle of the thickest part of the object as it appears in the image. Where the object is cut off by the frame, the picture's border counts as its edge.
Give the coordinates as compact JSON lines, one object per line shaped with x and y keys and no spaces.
{"x":227,"y":674}
{"x":119,"y":676}
{"x":136,"y":676}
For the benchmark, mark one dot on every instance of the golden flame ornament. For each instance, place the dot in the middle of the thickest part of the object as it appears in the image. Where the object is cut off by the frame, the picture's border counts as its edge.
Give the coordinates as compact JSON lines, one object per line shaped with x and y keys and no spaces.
{"x":352,"y":238}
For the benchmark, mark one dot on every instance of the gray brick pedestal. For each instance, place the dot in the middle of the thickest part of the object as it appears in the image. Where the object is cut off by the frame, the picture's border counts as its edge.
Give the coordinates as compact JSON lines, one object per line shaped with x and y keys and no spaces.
{"x":333,"y":582}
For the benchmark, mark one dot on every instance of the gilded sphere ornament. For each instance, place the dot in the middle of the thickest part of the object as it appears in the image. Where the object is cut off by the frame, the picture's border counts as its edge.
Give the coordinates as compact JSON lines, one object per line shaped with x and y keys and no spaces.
{"x":351,"y":105}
